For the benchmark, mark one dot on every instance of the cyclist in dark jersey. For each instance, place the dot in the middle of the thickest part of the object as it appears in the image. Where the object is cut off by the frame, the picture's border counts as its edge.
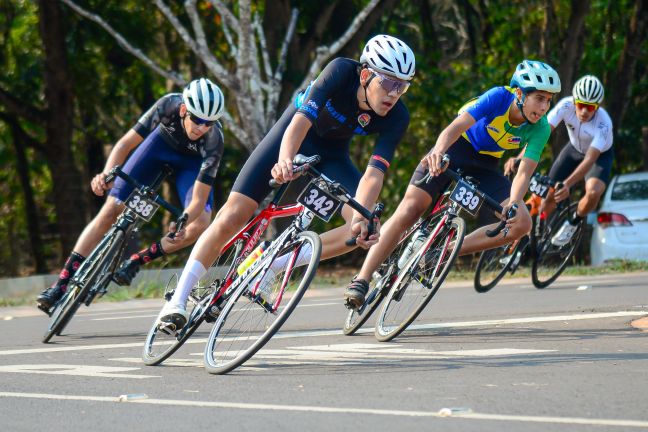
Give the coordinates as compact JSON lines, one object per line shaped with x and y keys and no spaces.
{"x":348,"y":98}
{"x":503,"y":118}
{"x":181,"y":130}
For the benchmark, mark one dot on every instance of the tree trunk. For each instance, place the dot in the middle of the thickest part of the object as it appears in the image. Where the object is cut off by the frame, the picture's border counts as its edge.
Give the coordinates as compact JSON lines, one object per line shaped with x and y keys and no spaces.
{"x":20,"y":142}
{"x":69,"y":196}
{"x":569,"y":61}
{"x":620,"y":86}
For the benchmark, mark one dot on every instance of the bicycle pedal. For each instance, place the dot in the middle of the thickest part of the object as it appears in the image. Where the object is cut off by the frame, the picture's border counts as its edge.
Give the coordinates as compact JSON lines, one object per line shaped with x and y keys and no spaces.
{"x":350,"y":305}
{"x":167,"y":328}
{"x":47,"y":310}
{"x":168,"y":295}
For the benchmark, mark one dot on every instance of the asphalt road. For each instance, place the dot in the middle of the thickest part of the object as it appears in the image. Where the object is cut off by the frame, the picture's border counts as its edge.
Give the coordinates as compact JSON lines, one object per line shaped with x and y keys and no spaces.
{"x":516,"y":358}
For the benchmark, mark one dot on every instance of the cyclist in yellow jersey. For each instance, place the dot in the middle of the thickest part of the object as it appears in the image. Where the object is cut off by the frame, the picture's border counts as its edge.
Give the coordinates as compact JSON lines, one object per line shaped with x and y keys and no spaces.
{"x":503,"y":118}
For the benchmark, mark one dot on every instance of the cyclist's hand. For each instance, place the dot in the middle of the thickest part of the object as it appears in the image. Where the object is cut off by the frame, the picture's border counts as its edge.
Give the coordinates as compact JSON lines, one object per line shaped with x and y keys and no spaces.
{"x":510,"y":166}
{"x":510,"y":221}
{"x":178,"y":236}
{"x":360,"y":229}
{"x":562,"y":193}
{"x":98,"y":184}
{"x":282,"y":171}
{"x":433,"y":161}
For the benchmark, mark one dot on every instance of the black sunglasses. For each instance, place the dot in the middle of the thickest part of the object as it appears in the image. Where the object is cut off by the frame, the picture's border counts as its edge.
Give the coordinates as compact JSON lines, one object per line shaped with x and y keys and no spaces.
{"x":199,"y":121}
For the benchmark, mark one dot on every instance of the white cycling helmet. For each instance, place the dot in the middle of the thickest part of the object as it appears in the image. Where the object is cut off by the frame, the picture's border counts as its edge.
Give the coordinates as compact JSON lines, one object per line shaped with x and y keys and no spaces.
{"x":204,"y":99}
{"x":387,"y":54}
{"x":533,"y":75}
{"x":588,"y":89}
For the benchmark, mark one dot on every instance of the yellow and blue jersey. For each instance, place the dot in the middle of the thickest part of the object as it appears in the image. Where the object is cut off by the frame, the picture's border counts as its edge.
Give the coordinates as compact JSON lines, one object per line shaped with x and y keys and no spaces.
{"x":493,"y":134}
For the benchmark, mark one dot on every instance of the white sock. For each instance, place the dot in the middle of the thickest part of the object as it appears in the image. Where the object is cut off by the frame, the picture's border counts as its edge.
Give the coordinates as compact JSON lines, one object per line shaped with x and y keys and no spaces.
{"x":302,"y":259}
{"x":191,"y":274}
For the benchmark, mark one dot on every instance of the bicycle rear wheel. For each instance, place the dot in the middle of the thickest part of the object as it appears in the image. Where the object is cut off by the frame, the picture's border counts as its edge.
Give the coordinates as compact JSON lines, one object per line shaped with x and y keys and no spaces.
{"x":550,"y":260}
{"x":495,"y":263}
{"x":247,"y":322}
{"x":96,"y":265}
{"x":160,"y":345}
{"x":419,"y":280}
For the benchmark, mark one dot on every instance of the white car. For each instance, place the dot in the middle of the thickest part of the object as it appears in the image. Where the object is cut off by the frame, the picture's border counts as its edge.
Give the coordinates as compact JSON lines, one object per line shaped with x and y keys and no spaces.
{"x":621,"y":227}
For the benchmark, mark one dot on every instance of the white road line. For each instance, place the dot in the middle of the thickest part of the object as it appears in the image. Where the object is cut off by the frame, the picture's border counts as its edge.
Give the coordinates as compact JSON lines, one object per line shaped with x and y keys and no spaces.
{"x":75,"y":370}
{"x":336,"y":332}
{"x":336,"y":410}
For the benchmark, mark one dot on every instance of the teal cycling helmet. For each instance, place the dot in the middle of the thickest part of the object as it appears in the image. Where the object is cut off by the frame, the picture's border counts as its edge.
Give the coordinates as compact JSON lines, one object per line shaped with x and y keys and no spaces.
{"x":531,"y":75}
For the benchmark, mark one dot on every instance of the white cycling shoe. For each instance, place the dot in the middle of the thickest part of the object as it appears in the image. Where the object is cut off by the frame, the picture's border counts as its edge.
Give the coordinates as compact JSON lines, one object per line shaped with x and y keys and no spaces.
{"x":564,"y":234}
{"x":173,"y":317}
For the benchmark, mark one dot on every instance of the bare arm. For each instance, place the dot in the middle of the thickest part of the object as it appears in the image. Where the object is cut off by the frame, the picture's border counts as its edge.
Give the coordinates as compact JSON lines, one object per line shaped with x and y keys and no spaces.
{"x":117,"y":156}
{"x":290,"y":143}
{"x":579,"y":173}
{"x":447,"y":137}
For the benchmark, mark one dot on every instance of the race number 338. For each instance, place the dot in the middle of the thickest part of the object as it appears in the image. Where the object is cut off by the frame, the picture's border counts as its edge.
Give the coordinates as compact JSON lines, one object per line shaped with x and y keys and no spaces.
{"x":320,"y":202}
{"x":141,"y":206}
{"x":467,"y":197}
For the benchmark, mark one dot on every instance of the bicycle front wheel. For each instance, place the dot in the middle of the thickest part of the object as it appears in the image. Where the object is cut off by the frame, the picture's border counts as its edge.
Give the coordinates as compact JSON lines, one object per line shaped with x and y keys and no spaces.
{"x":495,"y":263}
{"x":550,"y":260}
{"x":249,"y":319}
{"x":91,"y":270}
{"x":419,"y":280}
{"x":160,"y":345}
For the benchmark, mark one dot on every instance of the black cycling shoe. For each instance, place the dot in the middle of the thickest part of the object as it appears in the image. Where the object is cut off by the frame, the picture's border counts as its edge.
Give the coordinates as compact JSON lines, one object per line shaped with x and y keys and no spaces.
{"x":126,"y":272}
{"x":48,"y":298}
{"x":354,"y":297}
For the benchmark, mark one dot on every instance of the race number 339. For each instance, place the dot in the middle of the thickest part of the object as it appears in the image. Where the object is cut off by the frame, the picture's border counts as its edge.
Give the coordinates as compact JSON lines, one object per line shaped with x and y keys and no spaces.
{"x":467,"y":197}
{"x":320,"y":202}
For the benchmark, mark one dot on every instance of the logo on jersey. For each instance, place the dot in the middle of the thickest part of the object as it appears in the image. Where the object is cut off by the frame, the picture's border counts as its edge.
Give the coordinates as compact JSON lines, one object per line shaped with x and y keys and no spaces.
{"x":570,"y":126}
{"x":364,"y":119}
{"x":492,"y":129}
{"x":514,"y":140}
{"x":311,"y":103}
{"x":192,"y":146}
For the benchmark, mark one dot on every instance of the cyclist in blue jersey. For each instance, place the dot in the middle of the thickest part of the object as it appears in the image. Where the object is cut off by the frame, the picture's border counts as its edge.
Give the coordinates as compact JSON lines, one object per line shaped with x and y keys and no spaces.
{"x":501,"y":119}
{"x":348,"y":98}
{"x":180,"y":130}
{"x":588,"y":155}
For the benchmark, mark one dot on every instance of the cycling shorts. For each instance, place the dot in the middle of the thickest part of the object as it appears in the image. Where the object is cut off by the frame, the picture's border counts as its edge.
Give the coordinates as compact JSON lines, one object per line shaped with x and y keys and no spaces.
{"x":569,"y":158}
{"x":147,"y":161}
{"x":484,"y":168}
{"x":336,"y":163}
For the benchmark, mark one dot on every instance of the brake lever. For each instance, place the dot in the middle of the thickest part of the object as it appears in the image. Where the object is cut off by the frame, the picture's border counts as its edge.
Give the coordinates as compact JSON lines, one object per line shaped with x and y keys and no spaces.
{"x":180,"y":224}
{"x":371,"y":227}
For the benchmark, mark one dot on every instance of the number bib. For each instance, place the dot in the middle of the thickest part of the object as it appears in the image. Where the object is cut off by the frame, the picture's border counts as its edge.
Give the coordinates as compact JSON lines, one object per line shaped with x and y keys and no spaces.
{"x":467,"y":197}
{"x":141,"y":206}
{"x":537,"y":188}
{"x":320,"y":202}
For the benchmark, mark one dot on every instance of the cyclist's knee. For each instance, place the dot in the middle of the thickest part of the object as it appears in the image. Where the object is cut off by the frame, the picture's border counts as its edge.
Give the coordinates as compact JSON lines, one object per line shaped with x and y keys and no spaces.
{"x":521,"y":227}
{"x":197,"y":227}
{"x":235,"y":212}
{"x":409,"y":211}
{"x":108,"y":214}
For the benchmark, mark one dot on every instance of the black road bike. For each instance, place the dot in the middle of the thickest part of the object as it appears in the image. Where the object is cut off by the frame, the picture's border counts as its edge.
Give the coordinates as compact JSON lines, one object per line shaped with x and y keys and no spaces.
{"x":95,"y":273}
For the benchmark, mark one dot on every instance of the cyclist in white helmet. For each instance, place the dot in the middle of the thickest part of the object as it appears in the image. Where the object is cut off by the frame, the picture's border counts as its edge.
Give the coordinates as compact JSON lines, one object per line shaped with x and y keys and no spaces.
{"x":180,"y":130}
{"x":503,"y":118}
{"x":348,"y":98}
{"x":588,"y":155}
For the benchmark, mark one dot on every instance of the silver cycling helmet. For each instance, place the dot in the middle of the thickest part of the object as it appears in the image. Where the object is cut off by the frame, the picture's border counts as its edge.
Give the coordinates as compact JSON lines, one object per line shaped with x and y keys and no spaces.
{"x":387,"y":54}
{"x":204,"y":99}
{"x":588,"y":89}
{"x":533,"y":75}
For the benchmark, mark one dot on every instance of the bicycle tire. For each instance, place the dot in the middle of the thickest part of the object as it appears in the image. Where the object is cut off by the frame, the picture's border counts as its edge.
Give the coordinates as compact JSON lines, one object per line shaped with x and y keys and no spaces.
{"x":384,"y":329}
{"x":491,"y":268}
{"x":546,"y":252}
{"x":200,"y":299}
{"x":241,"y":306}
{"x":104,"y":254}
